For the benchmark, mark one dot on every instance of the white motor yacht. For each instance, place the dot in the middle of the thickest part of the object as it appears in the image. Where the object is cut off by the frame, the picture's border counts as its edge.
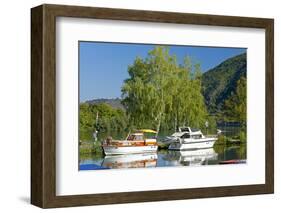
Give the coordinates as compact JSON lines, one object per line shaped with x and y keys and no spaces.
{"x":188,"y":138}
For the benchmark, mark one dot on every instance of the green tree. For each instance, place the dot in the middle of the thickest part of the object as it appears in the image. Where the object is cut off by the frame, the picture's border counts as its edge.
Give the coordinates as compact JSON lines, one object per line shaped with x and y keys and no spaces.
{"x":159,"y":92}
{"x":236,"y":104}
{"x":101,"y":117}
{"x":146,"y":92}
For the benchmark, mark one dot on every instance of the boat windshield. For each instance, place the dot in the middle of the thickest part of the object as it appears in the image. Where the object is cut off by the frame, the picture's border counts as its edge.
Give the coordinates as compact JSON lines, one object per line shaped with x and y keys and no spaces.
{"x":184,"y":129}
{"x":135,"y":137}
{"x":195,"y":130}
{"x":186,"y":135}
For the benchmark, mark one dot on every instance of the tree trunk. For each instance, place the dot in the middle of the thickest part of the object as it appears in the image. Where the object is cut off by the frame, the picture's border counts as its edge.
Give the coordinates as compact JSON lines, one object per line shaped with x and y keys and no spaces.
{"x":159,"y":123}
{"x":161,"y":112}
{"x":176,"y":123}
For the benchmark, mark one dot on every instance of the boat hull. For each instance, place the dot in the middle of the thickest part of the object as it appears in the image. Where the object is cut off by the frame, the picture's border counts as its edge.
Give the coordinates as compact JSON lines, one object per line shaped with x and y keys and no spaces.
{"x":121,"y":150}
{"x":199,"y":144}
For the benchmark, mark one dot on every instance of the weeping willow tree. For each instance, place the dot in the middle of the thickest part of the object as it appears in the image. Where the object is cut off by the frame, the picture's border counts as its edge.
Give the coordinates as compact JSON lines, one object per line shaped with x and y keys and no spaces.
{"x":188,"y":102}
{"x":161,"y":92}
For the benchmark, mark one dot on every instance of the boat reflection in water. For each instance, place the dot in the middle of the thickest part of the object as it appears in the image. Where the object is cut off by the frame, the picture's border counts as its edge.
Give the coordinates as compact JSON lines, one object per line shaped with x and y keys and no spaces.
{"x":163,"y":158}
{"x":144,"y":160}
{"x":191,"y":157}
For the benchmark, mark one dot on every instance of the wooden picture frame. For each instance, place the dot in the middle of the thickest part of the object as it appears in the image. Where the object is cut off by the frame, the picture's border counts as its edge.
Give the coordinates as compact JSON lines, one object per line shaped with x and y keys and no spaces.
{"x":43,"y":105}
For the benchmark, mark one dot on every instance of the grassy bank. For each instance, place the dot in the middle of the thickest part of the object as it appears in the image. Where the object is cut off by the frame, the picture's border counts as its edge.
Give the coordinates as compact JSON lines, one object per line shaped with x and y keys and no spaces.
{"x":239,"y":139}
{"x":89,"y":147}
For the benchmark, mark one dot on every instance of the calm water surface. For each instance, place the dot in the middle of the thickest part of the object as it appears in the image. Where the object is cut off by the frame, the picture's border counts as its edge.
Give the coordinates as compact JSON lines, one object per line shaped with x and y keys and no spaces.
{"x":163,"y":158}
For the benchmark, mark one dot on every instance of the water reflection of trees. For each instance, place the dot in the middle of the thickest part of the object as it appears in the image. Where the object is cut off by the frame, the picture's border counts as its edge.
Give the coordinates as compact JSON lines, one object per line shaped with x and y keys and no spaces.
{"x":229,"y":152}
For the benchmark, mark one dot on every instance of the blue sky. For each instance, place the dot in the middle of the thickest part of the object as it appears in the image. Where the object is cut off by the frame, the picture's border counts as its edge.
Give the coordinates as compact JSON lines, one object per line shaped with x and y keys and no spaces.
{"x":103,"y":66}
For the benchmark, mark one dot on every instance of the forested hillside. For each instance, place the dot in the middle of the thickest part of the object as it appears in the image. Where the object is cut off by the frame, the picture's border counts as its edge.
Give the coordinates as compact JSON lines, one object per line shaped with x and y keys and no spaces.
{"x":220,"y":82}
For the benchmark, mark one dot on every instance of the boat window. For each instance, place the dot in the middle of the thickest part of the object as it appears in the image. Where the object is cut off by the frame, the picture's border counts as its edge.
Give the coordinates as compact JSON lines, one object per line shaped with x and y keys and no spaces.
{"x":184,"y":129}
{"x":186,"y":135}
{"x":131,"y":138}
{"x":196,"y":136}
{"x":138,"y":137}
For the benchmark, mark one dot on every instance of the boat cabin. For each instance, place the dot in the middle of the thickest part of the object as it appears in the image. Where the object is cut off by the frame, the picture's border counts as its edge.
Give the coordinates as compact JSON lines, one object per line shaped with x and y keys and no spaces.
{"x":136,"y":137}
{"x":194,"y":136}
{"x":140,"y":139}
{"x":187,"y":132}
{"x":188,"y":129}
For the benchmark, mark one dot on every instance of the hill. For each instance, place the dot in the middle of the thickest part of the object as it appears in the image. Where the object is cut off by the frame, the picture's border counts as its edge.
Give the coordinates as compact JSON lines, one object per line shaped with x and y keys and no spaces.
{"x":114,"y":102}
{"x":221,"y":81}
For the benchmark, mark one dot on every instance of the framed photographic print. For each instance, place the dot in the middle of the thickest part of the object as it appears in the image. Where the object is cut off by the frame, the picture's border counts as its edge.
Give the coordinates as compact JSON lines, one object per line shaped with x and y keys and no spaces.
{"x":136,"y":106}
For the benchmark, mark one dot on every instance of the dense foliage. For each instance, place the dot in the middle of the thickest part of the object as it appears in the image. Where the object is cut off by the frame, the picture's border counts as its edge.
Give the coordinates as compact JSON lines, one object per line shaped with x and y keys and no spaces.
{"x":101,"y":117}
{"x":162,"y":93}
{"x":235,"y":107}
{"x":220,"y":82}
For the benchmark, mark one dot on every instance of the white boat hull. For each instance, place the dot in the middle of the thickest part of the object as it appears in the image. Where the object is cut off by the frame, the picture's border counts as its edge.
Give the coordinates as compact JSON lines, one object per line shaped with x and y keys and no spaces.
{"x":196,"y":144}
{"x":121,"y":150}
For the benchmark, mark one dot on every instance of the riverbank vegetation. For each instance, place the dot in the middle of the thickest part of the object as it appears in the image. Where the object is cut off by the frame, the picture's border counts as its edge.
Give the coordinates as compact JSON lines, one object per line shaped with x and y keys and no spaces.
{"x":235,"y":107}
{"x":88,"y":147}
{"x":100,"y":117}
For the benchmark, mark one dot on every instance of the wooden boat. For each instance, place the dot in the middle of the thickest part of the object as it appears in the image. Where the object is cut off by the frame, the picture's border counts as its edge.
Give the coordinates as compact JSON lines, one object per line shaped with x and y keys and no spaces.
{"x":136,"y":142}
